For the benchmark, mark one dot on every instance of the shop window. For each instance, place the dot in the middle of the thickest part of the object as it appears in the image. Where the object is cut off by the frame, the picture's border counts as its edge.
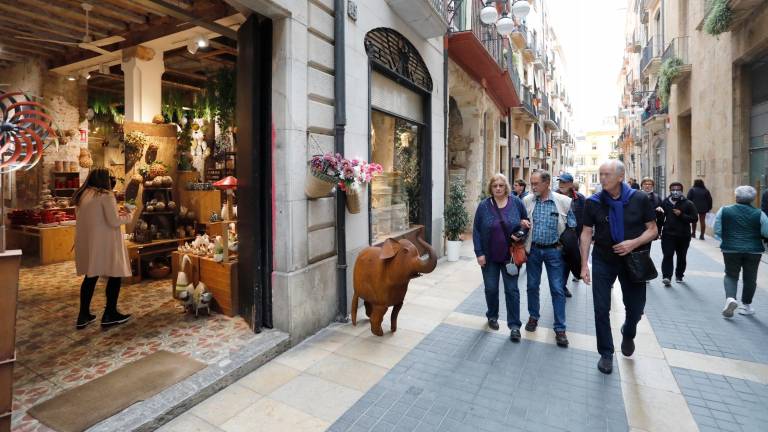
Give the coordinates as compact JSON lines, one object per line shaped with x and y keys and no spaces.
{"x":396,"y":192}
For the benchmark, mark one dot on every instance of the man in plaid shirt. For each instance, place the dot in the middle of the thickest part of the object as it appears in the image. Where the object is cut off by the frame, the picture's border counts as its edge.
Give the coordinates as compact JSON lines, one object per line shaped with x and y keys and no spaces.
{"x":551,"y":215}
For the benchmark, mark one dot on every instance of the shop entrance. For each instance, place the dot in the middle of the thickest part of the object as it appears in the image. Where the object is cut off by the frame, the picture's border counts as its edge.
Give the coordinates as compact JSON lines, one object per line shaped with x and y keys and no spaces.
{"x":180,"y":114}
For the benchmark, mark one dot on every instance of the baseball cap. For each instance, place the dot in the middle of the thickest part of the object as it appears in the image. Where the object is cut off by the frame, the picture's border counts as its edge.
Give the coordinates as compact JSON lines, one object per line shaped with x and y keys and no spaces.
{"x":566,"y":177}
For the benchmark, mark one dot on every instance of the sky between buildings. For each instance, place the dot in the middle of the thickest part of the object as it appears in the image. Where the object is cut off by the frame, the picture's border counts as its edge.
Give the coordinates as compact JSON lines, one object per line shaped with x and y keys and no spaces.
{"x":591,"y":33}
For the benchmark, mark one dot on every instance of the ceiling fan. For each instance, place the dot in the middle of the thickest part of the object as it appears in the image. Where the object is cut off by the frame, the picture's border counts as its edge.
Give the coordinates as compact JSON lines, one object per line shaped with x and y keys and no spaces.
{"x":87,"y":42}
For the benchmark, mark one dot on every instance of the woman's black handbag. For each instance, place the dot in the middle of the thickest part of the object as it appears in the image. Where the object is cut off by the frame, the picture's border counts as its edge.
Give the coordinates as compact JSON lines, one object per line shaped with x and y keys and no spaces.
{"x":640,"y":266}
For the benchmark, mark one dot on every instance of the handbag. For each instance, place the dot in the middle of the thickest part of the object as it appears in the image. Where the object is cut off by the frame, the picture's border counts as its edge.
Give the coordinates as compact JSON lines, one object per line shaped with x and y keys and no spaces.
{"x":516,"y":249}
{"x":640,"y":266}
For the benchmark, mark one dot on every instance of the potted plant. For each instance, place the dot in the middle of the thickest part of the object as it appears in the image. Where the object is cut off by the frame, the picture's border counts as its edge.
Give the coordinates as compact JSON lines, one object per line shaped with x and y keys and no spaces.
{"x":323,"y":175}
{"x":355,"y":174}
{"x":456,"y":219}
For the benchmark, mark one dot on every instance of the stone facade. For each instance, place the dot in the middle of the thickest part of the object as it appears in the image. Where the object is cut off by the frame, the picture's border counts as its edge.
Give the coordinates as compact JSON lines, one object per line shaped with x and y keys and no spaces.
{"x":706,"y":131}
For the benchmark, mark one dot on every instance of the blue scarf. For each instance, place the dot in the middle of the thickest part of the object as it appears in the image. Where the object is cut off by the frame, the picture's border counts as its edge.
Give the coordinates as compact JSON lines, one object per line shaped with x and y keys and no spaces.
{"x":615,"y":210}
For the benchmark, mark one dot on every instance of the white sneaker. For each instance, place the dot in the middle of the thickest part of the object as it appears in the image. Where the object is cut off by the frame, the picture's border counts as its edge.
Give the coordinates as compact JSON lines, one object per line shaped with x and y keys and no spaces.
{"x":666,"y":282}
{"x":746,"y":309}
{"x":730,"y":305}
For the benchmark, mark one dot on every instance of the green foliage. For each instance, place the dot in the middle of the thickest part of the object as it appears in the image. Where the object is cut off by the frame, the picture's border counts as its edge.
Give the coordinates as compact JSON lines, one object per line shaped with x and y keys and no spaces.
{"x":407,"y":164}
{"x":719,"y":18}
{"x":172,"y":106}
{"x":669,"y":70}
{"x":456,"y":216}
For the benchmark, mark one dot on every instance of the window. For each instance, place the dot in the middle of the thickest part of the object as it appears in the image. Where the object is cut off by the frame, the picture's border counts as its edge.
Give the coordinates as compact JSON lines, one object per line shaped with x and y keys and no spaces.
{"x":594,"y":161}
{"x":503,"y":129}
{"x":594,"y":178}
{"x":396,"y":192}
{"x":594,"y":146}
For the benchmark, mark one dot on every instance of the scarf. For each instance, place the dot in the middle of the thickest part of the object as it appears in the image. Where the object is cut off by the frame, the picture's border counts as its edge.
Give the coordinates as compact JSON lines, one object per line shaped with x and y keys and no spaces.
{"x":615,"y":210}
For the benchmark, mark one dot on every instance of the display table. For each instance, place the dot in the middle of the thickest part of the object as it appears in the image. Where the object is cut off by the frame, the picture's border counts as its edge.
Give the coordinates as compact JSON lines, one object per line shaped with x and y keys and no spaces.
{"x":52,"y":244}
{"x":138,"y":252}
{"x":219,"y":278}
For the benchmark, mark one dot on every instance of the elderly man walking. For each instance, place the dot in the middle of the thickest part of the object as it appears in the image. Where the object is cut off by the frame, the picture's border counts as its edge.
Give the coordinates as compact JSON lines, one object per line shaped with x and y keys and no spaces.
{"x":742,"y":229}
{"x":550,"y":213}
{"x":623,"y":220}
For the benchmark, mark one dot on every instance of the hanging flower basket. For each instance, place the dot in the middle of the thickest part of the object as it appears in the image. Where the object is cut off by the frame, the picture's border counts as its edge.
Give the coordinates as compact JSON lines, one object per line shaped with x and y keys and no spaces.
{"x":353,"y":199}
{"x":319,"y":185}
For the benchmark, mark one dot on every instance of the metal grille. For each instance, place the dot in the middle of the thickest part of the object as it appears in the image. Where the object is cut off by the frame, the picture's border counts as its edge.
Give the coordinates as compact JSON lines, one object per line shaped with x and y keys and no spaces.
{"x":394,"y":52}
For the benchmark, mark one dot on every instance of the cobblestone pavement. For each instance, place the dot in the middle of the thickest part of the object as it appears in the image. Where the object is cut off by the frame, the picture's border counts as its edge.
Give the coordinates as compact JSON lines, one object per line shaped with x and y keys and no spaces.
{"x":445,"y":370}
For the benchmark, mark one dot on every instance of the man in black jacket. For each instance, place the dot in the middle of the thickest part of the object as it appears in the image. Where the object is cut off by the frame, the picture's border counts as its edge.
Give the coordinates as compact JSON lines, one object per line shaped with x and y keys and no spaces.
{"x":679,"y":213}
{"x":647,"y":186}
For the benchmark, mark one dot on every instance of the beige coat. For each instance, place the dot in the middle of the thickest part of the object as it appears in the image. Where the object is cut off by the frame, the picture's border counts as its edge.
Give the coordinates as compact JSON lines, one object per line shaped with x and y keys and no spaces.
{"x":99,"y":246}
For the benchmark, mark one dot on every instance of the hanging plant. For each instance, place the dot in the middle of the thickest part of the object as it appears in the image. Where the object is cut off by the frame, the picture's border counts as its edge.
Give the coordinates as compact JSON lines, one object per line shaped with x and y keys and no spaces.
{"x":669,"y":70}
{"x":173,"y":106}
{"x":719,"y":18}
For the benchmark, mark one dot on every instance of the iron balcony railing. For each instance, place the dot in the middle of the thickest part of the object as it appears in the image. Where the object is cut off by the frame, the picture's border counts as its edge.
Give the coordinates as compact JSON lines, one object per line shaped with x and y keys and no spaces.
{"x":677,"y":48}
{"x":526,"y":97}
{"x":439,"y":6}
{"x":513,"y":73}
{"x":544,"y":101}
{"x":650,"y":51}
{"x":486,"y":34}
{"x":652,"y":108}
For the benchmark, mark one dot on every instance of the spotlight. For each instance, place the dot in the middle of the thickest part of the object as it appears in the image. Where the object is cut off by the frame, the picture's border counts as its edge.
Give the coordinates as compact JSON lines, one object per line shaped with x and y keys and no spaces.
{"x":71,"y":78}
{"x":85,"y":74}
{"x":202,"y":41}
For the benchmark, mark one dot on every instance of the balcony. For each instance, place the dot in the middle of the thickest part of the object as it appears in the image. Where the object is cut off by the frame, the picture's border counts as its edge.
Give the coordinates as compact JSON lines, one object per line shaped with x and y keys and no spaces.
{"x":531,"y":47}
{"x":740,"y":10}
{"x":550,"y":120}
{"x":539,"y":60}
{"x":426,"y":17}
{"x":479,"y":50}
{"x":651,"y":60}
{"x":654,"y":117}
{"x":519,"y":36}
{"x":678,"y":48}
{"x":526,"y":112}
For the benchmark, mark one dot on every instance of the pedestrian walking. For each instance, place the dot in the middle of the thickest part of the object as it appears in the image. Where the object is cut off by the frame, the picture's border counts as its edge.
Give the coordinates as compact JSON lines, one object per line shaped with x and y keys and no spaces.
{"x":764,"y":202}
{"x":570,"y":240}
{"x":499,"y":219}
{"x":550,"y":215}
{"x":679,"y":213}
{"x":633,"y":184}
{"x":648,"y":185}
{"x":520,"y":186}
{"x":99,"y":246}
{"x":702,"y":199}
{"x":742,"y":229}
{"x":622,"y":221}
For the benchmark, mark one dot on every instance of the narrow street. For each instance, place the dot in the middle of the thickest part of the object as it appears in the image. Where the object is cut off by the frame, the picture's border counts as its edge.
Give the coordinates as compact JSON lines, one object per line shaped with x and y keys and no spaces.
{"x":444,"y":370}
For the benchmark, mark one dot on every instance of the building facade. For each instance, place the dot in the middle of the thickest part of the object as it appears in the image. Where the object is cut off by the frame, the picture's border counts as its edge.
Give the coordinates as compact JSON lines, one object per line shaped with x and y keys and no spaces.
{"x":711,"y":121}
{"x":592,"y":149}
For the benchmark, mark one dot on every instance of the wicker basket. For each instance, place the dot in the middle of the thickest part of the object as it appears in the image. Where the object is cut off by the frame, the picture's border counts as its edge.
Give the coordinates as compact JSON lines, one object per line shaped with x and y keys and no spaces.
{"x":319,"y":185}
{"x":353,"y":199}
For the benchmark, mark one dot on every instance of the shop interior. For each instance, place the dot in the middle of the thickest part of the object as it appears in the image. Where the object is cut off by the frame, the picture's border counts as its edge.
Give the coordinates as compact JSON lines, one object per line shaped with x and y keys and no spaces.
{"x":175,"y":166}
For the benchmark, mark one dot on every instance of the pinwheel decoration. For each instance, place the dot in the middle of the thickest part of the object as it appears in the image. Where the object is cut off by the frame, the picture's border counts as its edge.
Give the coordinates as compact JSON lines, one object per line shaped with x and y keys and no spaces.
{"x":24,"y":127}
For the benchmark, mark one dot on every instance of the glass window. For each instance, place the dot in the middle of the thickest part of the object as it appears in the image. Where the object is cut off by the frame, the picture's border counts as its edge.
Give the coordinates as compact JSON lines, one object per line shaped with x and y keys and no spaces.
{"x":396,"y":192}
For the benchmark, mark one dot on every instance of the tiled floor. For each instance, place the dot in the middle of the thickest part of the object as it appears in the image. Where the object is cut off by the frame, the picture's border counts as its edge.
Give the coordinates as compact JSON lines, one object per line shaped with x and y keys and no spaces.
{"x":445,"y":370}
{"x":53,"y":356}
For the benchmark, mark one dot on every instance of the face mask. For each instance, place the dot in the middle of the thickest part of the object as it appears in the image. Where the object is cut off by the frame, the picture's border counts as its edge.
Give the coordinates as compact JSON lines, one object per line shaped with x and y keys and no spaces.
{"x":676,"y":194}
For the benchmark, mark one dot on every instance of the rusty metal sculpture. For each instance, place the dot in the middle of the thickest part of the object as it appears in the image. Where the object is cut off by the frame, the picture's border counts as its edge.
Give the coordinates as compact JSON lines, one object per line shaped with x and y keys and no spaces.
{"x":24,"y":126}
{"x":381,"y":278}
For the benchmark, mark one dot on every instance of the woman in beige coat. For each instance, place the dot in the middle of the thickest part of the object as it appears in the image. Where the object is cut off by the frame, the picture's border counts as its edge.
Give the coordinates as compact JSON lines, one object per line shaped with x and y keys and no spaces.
{"x":99,"y":246}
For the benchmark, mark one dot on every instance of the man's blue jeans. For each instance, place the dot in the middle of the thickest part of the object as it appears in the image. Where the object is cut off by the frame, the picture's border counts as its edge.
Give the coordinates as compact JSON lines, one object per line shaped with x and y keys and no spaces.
{"x":553,"y":259}
{"x":604,"y":274}
{"x":491,"y":273}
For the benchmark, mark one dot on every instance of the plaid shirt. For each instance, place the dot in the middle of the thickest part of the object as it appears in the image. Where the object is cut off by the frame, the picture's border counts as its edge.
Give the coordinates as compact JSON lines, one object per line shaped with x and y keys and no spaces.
{"x":544,"y":220}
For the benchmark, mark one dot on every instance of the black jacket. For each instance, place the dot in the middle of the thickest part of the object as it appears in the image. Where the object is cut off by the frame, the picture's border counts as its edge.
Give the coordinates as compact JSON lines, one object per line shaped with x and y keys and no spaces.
{"x":656,"y":202}
{"x":764,"y":202}
{"x":701,"y":198}
{"x":678,"y":226}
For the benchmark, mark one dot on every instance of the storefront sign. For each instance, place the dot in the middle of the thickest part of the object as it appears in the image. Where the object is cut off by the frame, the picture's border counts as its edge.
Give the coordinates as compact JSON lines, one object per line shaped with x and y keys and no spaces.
{"x":83,"y":136}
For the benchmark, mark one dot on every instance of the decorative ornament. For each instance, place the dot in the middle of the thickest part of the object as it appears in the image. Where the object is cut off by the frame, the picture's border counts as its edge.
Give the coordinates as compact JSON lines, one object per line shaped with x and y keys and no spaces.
{"x":85,"y":160}
{"x":158,"y":119}
{"x":24,"y":126}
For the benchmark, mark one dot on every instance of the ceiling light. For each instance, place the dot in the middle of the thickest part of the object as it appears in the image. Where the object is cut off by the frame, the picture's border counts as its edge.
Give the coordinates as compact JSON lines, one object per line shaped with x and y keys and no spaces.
{"x":202,"y":41}
{"x":71,"y":78}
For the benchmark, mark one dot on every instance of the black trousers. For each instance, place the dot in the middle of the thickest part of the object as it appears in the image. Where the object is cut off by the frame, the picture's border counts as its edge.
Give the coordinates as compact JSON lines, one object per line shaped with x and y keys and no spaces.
{"x":671,"y":246}
{"x":86,"y":294}
{"x":604,"y":274}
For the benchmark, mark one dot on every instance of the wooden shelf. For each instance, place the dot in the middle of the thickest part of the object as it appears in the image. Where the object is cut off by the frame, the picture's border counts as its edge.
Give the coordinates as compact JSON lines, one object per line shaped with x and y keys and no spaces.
{"x":165,"y":212}
{"x":157,"y":188}
{"x":66,"y":173}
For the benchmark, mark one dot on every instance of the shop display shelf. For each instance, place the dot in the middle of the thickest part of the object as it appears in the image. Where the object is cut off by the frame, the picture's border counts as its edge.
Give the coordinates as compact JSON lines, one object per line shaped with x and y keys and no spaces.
{"x":164,"y":212}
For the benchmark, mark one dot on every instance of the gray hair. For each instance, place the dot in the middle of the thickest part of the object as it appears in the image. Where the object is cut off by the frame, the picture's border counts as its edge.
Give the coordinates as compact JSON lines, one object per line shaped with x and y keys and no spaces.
{"x":545,"y":176}
{"x":745,"y":194}
{"x":616,"y":164}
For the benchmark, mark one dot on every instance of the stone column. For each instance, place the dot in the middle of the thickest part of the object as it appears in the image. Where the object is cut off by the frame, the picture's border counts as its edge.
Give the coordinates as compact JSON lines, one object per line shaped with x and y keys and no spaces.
{"x":143,"y":69}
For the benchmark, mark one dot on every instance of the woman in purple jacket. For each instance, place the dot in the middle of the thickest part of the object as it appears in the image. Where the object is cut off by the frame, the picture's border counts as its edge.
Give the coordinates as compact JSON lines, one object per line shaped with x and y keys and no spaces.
{"x":499,"y":220}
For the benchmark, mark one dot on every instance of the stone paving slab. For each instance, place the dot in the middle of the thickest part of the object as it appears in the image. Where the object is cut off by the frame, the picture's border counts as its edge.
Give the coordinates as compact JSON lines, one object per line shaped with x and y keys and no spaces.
{"x":687,"y":316}
{"x":460,"y":379}
{"x":579,"y":310}
{"x":721,"y":403}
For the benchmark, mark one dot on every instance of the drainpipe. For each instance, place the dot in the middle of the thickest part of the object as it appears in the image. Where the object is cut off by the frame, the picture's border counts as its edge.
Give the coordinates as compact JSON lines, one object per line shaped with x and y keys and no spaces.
{"x":446,"y":113}
{"x":340,"y":120}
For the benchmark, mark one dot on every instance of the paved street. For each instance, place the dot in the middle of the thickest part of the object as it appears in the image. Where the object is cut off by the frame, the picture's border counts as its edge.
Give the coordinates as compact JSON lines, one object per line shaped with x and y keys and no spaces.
{"x":444,"y":370}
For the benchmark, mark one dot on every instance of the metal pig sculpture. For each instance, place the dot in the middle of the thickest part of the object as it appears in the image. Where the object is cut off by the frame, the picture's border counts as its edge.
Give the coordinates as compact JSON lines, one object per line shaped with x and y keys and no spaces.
{"x":381,"y":278}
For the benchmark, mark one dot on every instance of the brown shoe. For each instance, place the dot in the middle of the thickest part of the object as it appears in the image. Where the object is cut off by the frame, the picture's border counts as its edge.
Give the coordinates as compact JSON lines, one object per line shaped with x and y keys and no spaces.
{"x":561,"y":339}
{"x":532,"y":324}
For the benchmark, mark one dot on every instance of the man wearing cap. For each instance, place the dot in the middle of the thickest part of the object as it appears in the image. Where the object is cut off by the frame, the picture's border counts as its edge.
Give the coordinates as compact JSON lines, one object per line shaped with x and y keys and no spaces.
{"x":571,"y":245}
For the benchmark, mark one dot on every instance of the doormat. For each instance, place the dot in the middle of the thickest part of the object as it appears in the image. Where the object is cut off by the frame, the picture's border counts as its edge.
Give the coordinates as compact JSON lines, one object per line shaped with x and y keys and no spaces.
{"x":81,"y":407}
